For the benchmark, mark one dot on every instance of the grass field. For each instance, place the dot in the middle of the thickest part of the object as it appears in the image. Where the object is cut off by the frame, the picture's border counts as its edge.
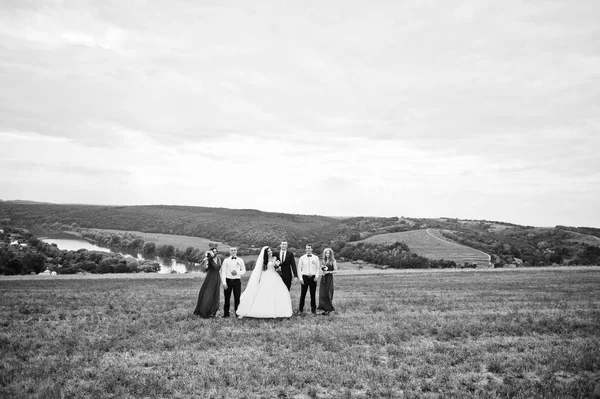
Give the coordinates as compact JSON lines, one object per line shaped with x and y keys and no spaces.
{"x":180,"y":242}
{"x":428,"y":334}
{"x":431,"y":244}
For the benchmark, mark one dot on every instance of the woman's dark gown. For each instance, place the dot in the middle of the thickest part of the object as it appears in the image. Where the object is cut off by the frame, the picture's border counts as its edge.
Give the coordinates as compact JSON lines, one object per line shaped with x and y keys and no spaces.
{"x":326,"y":291}
{"x":210,"y":292}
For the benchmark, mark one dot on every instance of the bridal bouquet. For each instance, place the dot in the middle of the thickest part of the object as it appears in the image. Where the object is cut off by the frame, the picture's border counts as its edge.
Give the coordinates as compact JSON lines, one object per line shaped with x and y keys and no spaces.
{"x":278,"y":266}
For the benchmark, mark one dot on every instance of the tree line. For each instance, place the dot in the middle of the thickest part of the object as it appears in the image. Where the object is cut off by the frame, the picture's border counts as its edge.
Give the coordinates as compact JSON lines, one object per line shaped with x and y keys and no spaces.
{"x":126,"y":241}
{"x":35,"y":256}
{"x":530,"y":245}
{"x":23,"y":253}
{"x":241,"y":227}
{"x":250,"y":229}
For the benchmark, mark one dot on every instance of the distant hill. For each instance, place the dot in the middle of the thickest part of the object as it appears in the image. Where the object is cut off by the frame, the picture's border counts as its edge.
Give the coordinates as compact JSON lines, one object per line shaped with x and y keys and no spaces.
{"x":245,"y":226}
{"x":506,"y":243}
{"x":24,"y":202}
{"x":430,"y":244}
{"x":509,"y":243}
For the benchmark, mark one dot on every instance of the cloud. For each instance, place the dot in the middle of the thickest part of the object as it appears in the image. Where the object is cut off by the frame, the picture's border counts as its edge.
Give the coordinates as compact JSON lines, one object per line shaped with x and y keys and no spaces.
{"x":468,"y":109}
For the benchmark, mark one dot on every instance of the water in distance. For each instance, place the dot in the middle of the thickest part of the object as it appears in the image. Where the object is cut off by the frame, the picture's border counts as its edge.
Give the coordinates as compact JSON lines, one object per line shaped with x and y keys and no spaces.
{"x":167,"y":265}
{"x":74,"y":245}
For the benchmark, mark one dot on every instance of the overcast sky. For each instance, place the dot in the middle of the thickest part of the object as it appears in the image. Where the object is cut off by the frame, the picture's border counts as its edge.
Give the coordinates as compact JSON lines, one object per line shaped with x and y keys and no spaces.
{"x":469,"y":109}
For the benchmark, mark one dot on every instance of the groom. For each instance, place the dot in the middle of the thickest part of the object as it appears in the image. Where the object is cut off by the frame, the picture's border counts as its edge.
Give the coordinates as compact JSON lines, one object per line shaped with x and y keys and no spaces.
{"x":288,"y":265}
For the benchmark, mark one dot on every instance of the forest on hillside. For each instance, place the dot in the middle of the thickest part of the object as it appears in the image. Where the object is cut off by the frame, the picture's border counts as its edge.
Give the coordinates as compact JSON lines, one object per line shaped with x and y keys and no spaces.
{"x":242,"y":227}
{"x":526,"y":245}
{"x":23,"y":253}
{"x":506,"y":243}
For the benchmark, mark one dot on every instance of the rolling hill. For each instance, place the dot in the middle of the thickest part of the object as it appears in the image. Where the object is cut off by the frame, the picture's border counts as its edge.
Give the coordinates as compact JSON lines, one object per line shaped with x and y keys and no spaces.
{"x":431,"y":244}
{"x":448,"y":238}
{"x":237,"y":226}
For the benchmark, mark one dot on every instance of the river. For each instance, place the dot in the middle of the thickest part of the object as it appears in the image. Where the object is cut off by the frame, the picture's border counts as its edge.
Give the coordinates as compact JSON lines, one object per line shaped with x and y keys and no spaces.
{"x":167,"y":265}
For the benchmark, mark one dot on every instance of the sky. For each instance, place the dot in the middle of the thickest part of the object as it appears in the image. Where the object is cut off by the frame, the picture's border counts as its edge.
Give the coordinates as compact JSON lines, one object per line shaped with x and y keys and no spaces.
{"x":468,"y":109}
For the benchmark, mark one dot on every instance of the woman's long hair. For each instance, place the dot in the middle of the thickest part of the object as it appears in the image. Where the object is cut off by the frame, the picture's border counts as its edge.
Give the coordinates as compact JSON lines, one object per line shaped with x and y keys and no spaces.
{"x":266,"y":258}
{"x":331,"y":258}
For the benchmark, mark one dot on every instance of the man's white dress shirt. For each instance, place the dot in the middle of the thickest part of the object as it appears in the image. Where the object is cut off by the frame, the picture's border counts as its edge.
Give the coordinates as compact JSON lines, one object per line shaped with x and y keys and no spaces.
{"x":309,"y":265}
{"x":230,"y":264}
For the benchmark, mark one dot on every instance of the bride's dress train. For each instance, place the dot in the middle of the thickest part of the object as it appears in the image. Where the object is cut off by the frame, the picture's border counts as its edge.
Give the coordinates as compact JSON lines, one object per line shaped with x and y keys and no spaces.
{"x":266,"y":295}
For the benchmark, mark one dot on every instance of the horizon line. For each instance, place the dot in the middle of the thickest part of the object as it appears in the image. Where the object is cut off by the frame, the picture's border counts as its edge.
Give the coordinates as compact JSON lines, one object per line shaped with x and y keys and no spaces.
{"x":33,"y":202}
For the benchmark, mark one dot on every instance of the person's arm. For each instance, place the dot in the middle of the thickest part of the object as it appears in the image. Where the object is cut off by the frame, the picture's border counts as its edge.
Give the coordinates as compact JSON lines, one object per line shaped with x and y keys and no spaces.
{"x":243,"y":267}
{"x":319,"y":271}
{"x":335,"y":268}
{"x":204,"y":263}
{"x":210,"y":263}
{"x":323,"y":264}
{"x":300,"y":262}
{"x":293,"y":265}
{"x":223,"y":273}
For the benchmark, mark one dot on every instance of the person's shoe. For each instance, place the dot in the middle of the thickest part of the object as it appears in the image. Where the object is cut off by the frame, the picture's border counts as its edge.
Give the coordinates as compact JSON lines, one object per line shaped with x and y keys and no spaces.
{"x":225,"y":316}
{"x":326,"y":312}
{"x":313,"y":311}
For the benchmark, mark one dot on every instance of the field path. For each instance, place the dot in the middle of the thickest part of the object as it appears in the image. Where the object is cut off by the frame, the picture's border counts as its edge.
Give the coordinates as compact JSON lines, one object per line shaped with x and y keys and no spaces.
{"x":471,"y":248}
{"x":427,"y":243}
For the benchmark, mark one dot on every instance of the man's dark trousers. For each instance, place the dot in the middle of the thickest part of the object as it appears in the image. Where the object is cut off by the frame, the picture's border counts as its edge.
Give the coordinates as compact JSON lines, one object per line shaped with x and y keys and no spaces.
{"x":235,"y":285}
{"x":310,"y":282}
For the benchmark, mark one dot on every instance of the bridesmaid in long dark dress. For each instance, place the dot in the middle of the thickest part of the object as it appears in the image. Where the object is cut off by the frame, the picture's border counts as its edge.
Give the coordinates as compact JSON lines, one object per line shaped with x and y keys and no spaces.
{"x":328,"y":267}
{"x":210,"y":292}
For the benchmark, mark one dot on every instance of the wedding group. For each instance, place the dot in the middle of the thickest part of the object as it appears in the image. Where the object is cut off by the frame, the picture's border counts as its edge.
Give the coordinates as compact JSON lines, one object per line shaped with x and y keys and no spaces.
{"x":267,"y":293}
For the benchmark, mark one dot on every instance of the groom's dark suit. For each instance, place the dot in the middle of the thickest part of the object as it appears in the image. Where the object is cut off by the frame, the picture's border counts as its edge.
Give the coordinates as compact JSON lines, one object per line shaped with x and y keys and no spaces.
{"x":288,"y":267}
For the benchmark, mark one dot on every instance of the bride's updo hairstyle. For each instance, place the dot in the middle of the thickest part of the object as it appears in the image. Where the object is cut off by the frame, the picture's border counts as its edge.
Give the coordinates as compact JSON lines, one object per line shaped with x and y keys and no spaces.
{"x":266,"y":258}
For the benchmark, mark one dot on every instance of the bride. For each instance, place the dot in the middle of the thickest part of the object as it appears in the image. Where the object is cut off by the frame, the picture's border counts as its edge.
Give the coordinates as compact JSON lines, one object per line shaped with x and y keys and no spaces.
{"x":266,"y":295}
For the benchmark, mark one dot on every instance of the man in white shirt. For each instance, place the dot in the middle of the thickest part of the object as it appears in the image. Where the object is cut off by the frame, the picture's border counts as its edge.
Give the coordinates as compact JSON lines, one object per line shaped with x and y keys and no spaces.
{"x":309,"y":270}
{"x":232,"y":270}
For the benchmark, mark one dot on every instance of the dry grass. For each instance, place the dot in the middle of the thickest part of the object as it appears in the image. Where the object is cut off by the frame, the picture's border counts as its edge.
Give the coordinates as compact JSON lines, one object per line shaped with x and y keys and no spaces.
{"x":474,"y":334}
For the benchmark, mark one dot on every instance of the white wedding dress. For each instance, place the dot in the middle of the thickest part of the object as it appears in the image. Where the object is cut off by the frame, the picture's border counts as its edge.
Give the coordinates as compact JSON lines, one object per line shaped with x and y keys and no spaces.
{"x":265,"y":296}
